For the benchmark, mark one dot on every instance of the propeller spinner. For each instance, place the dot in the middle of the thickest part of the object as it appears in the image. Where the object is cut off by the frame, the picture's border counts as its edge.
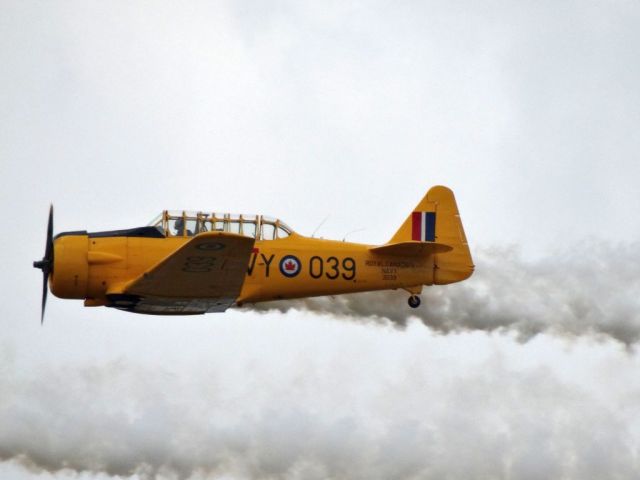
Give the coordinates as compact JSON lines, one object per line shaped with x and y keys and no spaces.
{"x":46,"y":264}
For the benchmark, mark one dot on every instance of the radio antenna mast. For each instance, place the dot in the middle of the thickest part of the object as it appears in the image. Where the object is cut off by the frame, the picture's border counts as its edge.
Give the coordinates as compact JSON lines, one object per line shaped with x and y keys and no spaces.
{"x":320,"y":225}
{"x":352,"y":231}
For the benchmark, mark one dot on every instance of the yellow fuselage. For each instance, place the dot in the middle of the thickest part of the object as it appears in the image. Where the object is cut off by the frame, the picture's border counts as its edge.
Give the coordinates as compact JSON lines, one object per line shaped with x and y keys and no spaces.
{"x":165,"y":269}
{"x":292,"y":267}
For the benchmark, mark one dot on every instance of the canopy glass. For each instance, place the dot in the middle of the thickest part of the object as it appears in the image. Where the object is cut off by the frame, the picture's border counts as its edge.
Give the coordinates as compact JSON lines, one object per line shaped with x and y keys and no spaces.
{"x":185,"y":224}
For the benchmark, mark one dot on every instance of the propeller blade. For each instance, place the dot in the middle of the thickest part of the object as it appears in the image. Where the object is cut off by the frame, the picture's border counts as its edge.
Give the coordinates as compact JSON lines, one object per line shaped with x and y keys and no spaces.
{"x":45,"y":290}
{"x":48,"y":253}
{"x":46,"y":264}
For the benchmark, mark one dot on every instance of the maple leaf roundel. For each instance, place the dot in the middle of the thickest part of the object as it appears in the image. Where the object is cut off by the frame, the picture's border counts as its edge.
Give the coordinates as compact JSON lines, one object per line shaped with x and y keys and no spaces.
{"x":290,"y":266}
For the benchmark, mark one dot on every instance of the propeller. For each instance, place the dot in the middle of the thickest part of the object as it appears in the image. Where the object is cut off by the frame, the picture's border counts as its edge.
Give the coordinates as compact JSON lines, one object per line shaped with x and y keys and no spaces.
{"x":46,"y":264}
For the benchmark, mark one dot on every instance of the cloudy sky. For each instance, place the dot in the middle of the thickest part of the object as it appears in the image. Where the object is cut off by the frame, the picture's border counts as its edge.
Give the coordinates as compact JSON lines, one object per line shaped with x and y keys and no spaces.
{"x":529,"y":111}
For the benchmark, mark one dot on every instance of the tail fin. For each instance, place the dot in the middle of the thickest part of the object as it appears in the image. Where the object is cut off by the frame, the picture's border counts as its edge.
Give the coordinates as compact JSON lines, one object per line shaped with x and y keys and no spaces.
{"x":436,"y":219}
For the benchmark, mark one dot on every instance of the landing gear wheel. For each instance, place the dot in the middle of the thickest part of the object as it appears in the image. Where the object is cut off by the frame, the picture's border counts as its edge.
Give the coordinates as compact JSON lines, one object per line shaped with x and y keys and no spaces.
{"x":414,"y":301}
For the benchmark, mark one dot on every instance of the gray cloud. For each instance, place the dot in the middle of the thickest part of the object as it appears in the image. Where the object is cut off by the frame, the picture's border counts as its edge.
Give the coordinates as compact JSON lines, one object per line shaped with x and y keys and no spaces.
{"x":529,"y":111}
{"x":585,"y":289}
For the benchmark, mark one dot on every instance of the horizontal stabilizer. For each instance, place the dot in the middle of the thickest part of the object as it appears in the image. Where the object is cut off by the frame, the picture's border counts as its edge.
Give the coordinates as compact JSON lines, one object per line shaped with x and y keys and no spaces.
{"x":411,"y":249}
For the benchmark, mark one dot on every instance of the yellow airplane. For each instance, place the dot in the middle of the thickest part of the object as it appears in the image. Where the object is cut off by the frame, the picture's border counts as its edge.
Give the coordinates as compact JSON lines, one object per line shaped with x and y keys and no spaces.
{"x":184,"y":263}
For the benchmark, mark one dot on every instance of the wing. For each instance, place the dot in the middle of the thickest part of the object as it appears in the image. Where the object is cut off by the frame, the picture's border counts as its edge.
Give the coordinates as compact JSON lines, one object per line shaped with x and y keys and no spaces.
{"x":204,"y":275}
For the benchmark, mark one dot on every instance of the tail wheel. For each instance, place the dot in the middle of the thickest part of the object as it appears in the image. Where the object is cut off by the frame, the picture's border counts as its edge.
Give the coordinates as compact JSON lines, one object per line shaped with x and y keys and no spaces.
{"x":414,"y":301}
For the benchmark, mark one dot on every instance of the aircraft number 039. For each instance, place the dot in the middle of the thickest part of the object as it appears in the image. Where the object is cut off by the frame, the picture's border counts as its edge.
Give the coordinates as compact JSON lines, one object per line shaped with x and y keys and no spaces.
{"x":332,"y":268}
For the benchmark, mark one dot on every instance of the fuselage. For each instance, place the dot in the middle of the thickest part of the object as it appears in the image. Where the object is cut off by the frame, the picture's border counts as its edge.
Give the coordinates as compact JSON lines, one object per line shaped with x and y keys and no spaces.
{"x":92,"y":267}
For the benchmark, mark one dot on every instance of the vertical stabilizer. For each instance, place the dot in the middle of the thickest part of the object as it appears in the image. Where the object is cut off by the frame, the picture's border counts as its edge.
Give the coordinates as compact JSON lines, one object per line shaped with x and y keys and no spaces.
{"x":436,"y":219}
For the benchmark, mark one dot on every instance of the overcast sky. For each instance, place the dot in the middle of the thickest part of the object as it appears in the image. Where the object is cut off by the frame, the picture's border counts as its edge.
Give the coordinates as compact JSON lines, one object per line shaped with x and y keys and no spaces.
{"x":529,"y":111}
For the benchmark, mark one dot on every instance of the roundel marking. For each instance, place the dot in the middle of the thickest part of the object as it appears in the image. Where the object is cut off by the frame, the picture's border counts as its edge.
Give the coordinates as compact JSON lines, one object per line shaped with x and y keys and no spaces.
{"x":211,"y":246}
{"x":290,"y":266}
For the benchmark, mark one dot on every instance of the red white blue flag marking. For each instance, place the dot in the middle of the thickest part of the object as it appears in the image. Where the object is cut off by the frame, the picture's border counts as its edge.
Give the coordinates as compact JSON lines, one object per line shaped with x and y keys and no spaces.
{"x":423,"y":226}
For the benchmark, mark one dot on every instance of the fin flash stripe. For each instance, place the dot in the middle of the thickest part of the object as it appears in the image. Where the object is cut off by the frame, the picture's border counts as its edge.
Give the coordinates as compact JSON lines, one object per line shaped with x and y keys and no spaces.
{"x":423,"y":226}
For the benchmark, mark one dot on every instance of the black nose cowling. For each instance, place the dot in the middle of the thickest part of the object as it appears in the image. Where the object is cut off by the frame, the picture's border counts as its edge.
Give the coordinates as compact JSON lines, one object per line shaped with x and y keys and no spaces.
{"x":46,"y":264}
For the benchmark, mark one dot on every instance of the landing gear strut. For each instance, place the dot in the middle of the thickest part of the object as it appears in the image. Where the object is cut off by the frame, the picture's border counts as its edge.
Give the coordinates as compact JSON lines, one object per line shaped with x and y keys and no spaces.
{"x":414,"y":301}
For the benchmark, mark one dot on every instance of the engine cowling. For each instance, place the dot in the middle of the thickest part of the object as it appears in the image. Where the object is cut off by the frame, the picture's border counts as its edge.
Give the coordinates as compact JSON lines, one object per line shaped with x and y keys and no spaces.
{"x":71,"y":268}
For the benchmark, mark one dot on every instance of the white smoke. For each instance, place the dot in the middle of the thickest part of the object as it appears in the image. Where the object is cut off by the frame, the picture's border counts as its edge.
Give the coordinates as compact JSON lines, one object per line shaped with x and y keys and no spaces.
{"x":590,"y":288}
{"x":340,"y":402}
{"x":298,"y":396}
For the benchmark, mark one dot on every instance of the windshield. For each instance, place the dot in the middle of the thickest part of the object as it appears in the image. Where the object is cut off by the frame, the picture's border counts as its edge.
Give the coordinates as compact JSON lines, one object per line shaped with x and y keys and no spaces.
{"x":157,"y":221}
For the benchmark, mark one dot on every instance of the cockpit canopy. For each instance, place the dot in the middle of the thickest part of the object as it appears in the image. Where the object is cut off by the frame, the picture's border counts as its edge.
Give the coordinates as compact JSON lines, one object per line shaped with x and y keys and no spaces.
{"x":187,"y":224}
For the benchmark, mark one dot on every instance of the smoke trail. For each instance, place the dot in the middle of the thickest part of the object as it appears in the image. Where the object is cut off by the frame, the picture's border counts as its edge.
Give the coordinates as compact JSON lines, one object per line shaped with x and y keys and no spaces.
{"x":393,"y":405}
{"x":590,"y":288}
{"x":284,"y":399}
